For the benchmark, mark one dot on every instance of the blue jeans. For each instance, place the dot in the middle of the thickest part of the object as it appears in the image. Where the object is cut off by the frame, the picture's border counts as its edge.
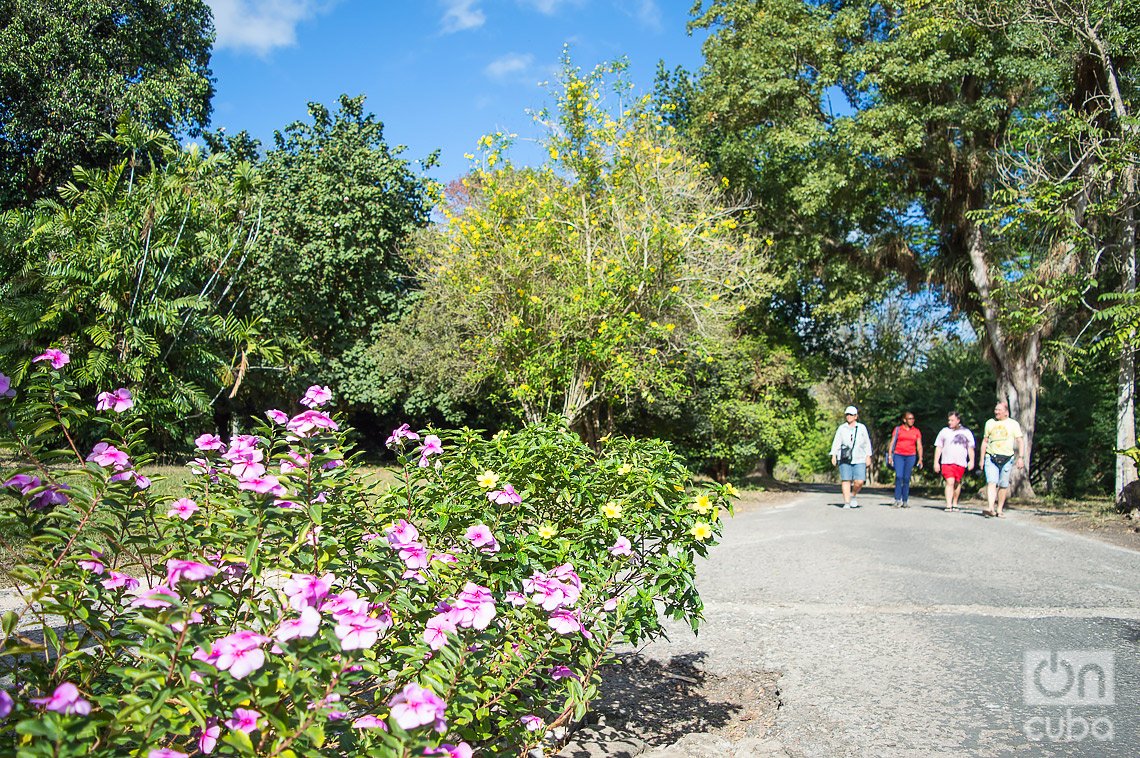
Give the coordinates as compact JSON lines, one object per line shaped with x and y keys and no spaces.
{"x":904,"y":465}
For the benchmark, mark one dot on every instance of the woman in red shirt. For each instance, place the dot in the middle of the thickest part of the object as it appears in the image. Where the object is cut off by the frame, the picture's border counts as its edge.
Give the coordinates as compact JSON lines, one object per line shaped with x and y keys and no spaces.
{"x":904,"y":453}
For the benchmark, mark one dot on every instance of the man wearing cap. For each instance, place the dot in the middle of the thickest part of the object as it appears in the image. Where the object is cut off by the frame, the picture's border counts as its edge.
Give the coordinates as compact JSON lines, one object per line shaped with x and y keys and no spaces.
{"x":851,"y":451}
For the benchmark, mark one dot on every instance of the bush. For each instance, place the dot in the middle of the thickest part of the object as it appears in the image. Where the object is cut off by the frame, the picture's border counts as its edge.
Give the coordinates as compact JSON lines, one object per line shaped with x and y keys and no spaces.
{"x":287,"y":606}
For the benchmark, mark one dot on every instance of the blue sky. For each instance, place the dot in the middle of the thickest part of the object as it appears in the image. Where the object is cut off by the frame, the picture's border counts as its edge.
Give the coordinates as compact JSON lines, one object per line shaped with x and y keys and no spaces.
{"x":438,"y":73}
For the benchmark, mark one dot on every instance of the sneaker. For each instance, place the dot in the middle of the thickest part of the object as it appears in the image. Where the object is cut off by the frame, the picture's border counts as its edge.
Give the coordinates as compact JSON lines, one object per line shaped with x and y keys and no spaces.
{"x":854,"y":503}
{"x":897,"y":504}
{"x":905,"y":504}
{"x":847,"y":506}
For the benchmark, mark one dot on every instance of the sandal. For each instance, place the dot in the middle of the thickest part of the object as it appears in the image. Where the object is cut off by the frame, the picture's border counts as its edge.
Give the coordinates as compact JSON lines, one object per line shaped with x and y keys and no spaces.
{"x":989,"y":514}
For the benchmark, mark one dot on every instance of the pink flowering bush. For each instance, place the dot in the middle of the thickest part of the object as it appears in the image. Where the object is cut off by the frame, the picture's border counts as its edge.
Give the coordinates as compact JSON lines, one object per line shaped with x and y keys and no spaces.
{"x":286,"y":605}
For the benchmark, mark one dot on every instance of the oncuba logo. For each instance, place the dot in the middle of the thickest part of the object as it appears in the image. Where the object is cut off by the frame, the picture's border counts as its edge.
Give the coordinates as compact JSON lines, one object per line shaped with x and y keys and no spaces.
{"x":1069,"y":678}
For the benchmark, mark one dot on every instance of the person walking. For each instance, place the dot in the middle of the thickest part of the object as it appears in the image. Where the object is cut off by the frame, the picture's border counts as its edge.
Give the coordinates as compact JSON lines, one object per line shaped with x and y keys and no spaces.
{"x":851,"y":451}
{"x":953,"y":457}
{"x":1001,"y":436}
{"x":905,"y":455}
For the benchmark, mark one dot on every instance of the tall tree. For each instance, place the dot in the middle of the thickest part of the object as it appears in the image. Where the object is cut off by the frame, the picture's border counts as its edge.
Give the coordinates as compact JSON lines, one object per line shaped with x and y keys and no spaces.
{"x":926,"y":111}
{"x":70,"y":70}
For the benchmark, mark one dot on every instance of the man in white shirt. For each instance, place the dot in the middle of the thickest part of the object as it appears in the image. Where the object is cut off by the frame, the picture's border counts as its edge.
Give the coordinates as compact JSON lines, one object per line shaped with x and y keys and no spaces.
{"x":851,"y":451}
{"x":953,"y":457}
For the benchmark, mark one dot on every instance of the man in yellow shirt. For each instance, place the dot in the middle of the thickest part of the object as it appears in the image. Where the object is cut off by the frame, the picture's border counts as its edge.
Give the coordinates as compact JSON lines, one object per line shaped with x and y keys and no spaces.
{"x":1001,"y":436}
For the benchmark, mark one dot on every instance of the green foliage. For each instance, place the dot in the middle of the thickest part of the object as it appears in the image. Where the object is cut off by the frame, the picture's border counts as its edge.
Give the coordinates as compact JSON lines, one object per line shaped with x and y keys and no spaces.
{"x":340,"y":204}
{"x":586,"y":284}
{"x":139,"y":272}
{"x":71,"y":70}
{"x":619,"y":529}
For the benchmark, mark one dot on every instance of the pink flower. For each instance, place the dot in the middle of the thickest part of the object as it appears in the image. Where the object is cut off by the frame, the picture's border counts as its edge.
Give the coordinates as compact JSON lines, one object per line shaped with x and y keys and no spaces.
{"x":142,"y":482}
{"x":183,"y":508}
{"x":316,"y":396}
{"x":6,"y":386}
{"x":402,"y":534}
{"x":94,"y":565}
{"x":195,"y":618}
{"x":561,"y":588}
{"x":107,"y":455}
{"x":532,"y":723}
{"x":370,"y":722}
{"x":166,"y":752}
{"x":306,"y":423}
{"x":286,"y":504}
{"x":243,"y":720}
{"x":118,"y":401}
{"x":306,"y":590}
{"x":277,"y":417}
{"x":305,"y":626}
{"x":621,"y":547}
{"x":564,"y":621}
{"x":262,"y":485}
{"x":462,"y":750}
{"x":435,"y":635}
{"x":345,"y":604}
{"x":481,"y":537}
{"x":416,"y":706}
{"x":191,"y":571}
{"x":562,"y":672}
{"x":293,"y":461}
{"x":505,"y":496}
{"x":358,"y":631}
{"x":115,"y":581}
{"x":516,"y":599}
{"x":444,"y":558}
{"x":416,"y":576}
{"x":432,"y":446}
{"x":58,"y":358}
{"x":208,"y":739}
{"x":414,"y":556}
{"x":239,"y":653}
{"x":156,"y":597}
{"x":6,"y":704}
{"x":65,"y":700}
{"x":209,"y":442}
{"x":474,"y":607}
{"x":399,"y":435}
{"x":370,"y":536}
{"x":610,"y":605}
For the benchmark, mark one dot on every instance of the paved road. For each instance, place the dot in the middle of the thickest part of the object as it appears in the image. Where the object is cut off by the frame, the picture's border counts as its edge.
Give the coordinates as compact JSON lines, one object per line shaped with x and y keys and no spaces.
{"x":906,"y":632}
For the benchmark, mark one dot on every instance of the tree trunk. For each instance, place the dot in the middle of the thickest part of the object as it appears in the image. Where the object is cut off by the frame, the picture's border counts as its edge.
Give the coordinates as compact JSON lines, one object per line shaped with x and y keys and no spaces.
{"x":1126,"y":386}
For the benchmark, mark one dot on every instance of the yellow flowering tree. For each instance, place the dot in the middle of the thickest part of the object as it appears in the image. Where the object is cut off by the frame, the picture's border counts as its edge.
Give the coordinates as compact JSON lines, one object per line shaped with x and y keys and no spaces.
{"x":592,"y":280}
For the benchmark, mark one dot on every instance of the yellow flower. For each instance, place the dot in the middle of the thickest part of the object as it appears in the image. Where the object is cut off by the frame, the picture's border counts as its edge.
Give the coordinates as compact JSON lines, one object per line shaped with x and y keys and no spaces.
{"x":488,"y":480}
{"x":624,"y":469}
{"x":701,"y":505}
{"x":546,"y":531}
{"x":612,"y":510}
{"x":701,"y":530}
{"x":679,"y":487}
{"x":730,"y":490}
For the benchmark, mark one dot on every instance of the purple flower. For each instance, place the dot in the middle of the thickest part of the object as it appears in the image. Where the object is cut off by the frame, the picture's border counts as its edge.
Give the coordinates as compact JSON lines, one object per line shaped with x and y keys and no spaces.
{"x":157,"y":597}
{"x":6,"y":704}
{"x":277,"y":417}
{"x":306,"y":590}
{"x":531,"y":722}
{"x":243,"y":720}
{"x":191,"y":571}
{"x":58,"y":358}
{"x":6,"y":386}
{"x":166,"y":752}
{"x":94,"y":565}
{"x":621,"y":547}
{"x":316,"y":396}
{"x":481,"y":537}
{"x":107,"y":455}
{"x":209,"y":442}
{"x":562,"y":672}
{"x":118,"y":401}
{"x":65,"y":700}
{"x":115,"y":581}
{"x":208,"y":739}
{"x":52,"y":495}
{"x":305,"y":626}
{"x":23,"y":482}
{"x":307,"y":423}
{"x":370,"y":722}
{"x":399,"y":435}
{"x":416,"y":706}
{"x":432,"y":446}
{"x":183,"y":508}
{"x":446,"y":750}
{"x":505,"y":496}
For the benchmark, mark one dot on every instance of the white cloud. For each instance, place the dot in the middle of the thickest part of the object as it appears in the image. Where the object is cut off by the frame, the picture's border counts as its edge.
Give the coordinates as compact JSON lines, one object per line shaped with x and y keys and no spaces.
{"x":512,"y":65}
{"x":261,"y":25}
{"x":462,"y":14}
{"x":649,"y":14}
{"x":548,"y":7}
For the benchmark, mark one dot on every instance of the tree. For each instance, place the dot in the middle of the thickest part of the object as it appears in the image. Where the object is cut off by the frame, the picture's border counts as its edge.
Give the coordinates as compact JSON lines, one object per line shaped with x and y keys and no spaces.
{"x":71,"y":70}
{"x":340,"y":203}
{"x":581,"y":286}
{"x":930,"y":104}
{"x":138,"y":272}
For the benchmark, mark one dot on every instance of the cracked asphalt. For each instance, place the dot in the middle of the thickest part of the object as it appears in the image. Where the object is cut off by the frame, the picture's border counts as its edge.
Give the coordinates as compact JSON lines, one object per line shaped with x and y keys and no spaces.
{"x":918,"y":632}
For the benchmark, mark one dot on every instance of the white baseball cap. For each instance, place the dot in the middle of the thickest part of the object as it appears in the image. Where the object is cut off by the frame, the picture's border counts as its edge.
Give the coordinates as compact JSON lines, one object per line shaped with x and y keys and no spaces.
{"x":851,"y":411}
